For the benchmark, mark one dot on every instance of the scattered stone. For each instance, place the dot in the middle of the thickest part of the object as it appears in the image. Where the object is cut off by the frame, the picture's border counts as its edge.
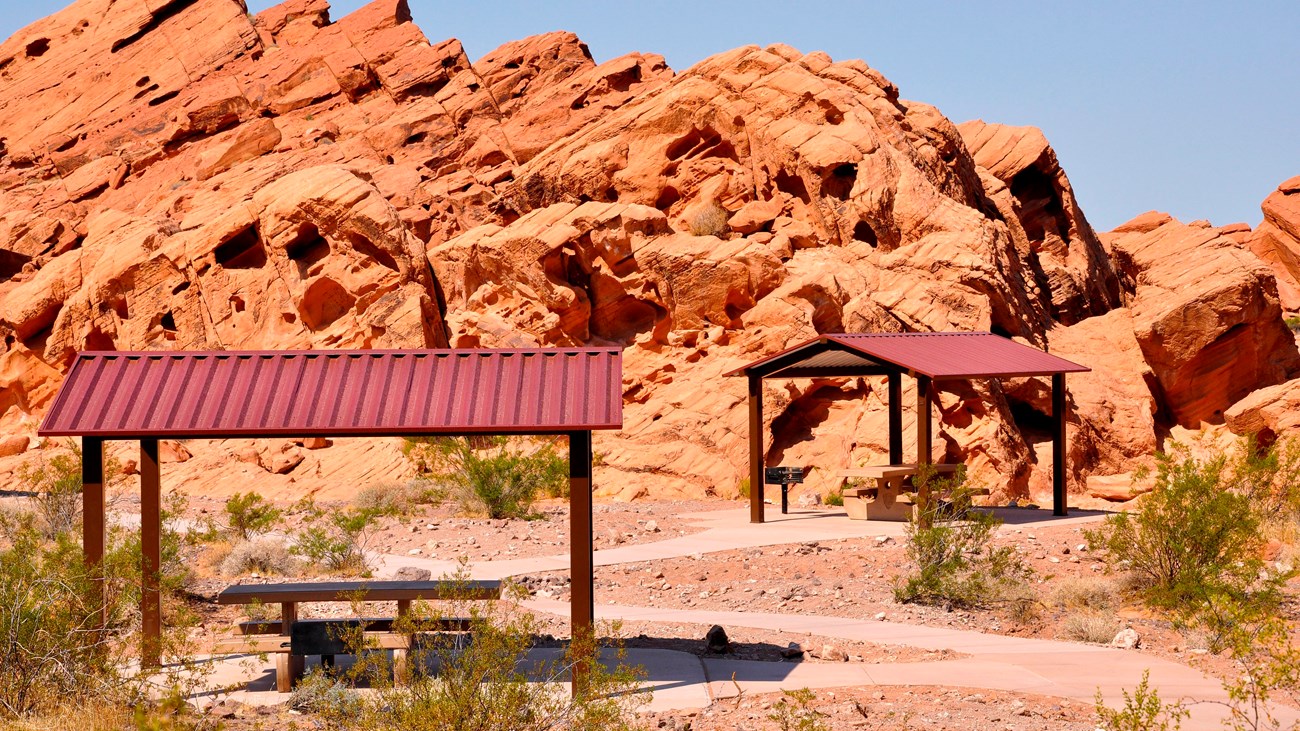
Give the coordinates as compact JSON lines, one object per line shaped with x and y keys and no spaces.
{"x":651,"y":527}
{"x":809,"y":500}
{"x":10,"y":446}
{"x":412,"y":573}
{"x":1127,"y":639}
{"x":832,"y":653}
{"x":792,"y":650}
{"x":716,"y":641}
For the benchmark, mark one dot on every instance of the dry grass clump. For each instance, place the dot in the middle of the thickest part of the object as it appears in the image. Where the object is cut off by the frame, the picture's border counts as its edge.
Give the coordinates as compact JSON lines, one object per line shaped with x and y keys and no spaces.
{"x":265,"y":555}
{"x":710,"y":220}
{"x":1095,"y":627}
{"x":1085,"y":592}
{"x":394,"y":498}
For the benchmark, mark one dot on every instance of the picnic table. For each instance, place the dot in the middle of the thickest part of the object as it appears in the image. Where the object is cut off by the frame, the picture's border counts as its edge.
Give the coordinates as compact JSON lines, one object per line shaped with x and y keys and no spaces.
{"x":293,"y":639}
{"x":890,"y":497}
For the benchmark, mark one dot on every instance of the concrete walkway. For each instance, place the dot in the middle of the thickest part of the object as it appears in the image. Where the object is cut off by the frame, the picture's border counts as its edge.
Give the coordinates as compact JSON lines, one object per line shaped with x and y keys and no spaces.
{"x":997,"y":662}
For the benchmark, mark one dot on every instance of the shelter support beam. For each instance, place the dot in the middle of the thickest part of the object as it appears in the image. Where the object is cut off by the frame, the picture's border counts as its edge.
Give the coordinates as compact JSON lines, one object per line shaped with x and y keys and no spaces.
{"x":150,"y":554}
{"x":755,"y":449}
{"x":94,"y":511}
{"x":895,"y":417}
{"x":582,"y":550}
{"x":924,"y":403}
{"x":1059,"y":497}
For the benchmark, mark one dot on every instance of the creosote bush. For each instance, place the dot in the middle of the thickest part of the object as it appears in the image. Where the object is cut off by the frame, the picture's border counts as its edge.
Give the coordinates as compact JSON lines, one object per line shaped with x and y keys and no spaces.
{"x":248,"y":515}
{"x":953,"y":561}
{"x":495,"y":476}
{"x":1197,"y":538}
{"x":796,"y":712}
{"x":1142,"y":711}
{"x":55,"y":485}
{"x":335,"y":540}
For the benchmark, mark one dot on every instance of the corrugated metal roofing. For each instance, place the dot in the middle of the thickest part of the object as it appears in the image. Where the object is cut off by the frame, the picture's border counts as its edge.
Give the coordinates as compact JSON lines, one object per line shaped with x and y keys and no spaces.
{"x":221,"y":394}
{"x":937,"y":355}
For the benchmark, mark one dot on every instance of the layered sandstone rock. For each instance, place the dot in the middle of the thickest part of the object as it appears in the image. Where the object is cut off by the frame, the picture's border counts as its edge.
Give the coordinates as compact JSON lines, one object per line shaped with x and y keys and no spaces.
{"x":1277,"y":240}
{"x":1206,"y":315}
{"x":294,"y":181}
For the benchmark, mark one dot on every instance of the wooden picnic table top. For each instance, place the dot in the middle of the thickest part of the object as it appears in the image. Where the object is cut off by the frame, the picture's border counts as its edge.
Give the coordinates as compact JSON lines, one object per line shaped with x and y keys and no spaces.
{"x":371,"y":591}
{"x":886,"y":471}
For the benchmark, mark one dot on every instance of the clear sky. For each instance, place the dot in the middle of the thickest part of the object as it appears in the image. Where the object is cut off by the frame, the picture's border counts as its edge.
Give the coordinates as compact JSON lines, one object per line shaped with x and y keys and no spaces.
{"x":1187,"y":107}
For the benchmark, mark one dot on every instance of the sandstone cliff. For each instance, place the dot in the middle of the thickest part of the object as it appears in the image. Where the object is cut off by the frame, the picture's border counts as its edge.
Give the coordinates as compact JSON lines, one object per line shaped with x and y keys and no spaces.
{"x":181,"y":175}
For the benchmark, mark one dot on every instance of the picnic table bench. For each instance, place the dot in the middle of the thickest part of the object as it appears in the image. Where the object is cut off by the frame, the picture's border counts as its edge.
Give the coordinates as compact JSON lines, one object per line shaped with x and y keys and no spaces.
{"x":890,"y":497}
{"x":292,"y":639}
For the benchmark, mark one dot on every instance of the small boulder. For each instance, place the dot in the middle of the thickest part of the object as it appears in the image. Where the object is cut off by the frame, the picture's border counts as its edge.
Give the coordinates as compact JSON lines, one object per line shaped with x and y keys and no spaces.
{"x":809,"y":500}
{"x":412,"y":573}
{"x":9,"y":446}
{"x":1127,"y":639}
{"x":284,"y":462}
{"x":716,"y":640}
{"x":831,"y":653}
{"x":792,"y":651}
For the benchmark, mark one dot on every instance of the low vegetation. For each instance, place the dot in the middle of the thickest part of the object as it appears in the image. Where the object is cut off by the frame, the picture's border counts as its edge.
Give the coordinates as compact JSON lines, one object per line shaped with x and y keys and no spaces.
{"x":488,"y":678}
{"x":1195,"y":551}
{"x":493,"y":476}
{"x":952,"y":559}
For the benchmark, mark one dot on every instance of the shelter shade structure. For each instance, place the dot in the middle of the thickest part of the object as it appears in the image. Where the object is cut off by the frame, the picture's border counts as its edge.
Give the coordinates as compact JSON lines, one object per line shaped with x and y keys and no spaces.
{"x":926,"y":357}
{"x":147,"y":396}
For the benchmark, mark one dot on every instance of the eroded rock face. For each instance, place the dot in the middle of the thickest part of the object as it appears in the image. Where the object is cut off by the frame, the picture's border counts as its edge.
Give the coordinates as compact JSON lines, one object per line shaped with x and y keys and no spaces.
{"x":1206,"y":315}
{"x":1277,"y":240}
{"x":294,"y":181}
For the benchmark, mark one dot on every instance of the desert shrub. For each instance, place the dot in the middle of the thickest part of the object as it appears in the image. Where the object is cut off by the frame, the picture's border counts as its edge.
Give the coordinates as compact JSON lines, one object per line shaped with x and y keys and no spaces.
{"x":834,"y":497}
{"x":1196,"y":539}
{"x":710,"y":220}
{"x":484,"y":679}
{"x":247,"y":515}
{"x":494,"y":476}
{"x":265,"y":555}
{"x":953,"y":560}
{"x":1096,"y":627}
{"x":1085,"y":592}
{"x":796,"y":712}
{"x":335,"y":540}
{"x":55,"y":484}
{"x":51,"y":650}
{"x":1142,"y":711}
{"x":395,"y":498}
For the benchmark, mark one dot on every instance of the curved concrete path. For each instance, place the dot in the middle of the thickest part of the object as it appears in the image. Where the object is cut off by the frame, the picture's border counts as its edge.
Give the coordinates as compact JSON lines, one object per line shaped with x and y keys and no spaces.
{"x":996,"y":662}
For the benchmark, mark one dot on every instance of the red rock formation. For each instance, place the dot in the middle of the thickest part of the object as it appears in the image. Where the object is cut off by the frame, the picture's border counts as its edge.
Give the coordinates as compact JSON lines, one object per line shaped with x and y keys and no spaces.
{"x":180,"y":175}
{"x":1277,"y":240}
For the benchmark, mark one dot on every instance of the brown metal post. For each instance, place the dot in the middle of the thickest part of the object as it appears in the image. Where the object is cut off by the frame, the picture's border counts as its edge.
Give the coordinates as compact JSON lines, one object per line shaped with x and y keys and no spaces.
{"x":94,"y":509}
{"x":924,"y":401}
{"x":288,"y":667}
{"x":151,"y":554}
{"x":1059,"y":497}
{"x":755,"y":449}
{"x":581,"y":549}
{"x":895,"y":418}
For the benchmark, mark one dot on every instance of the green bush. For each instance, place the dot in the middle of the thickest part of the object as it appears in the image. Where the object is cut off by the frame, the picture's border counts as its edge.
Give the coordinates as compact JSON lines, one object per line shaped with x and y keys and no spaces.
{"x":795,"y":712}
{"x":248,"y":515}
{"x":834,"y":497}
{"x":335,"y":540}
{"x":494,"y":476}
{"x":952,"y":559}
{"x":1142,"y":711}
{"x":1196,"y":538}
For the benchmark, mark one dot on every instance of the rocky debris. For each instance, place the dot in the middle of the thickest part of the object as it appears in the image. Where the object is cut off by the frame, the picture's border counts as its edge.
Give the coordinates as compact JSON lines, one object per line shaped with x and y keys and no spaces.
{"x":715,"y":640}
{"x":1118,"y":488}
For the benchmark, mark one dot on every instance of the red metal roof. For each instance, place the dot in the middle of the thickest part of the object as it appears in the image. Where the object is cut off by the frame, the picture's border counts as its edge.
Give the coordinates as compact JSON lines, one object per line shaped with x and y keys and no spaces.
{"x":121,"y":395}
{"x":937,"y":355}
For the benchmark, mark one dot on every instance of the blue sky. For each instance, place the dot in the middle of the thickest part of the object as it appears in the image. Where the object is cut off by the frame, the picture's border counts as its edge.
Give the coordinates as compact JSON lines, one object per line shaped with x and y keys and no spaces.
{"x":1191,"y":107}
